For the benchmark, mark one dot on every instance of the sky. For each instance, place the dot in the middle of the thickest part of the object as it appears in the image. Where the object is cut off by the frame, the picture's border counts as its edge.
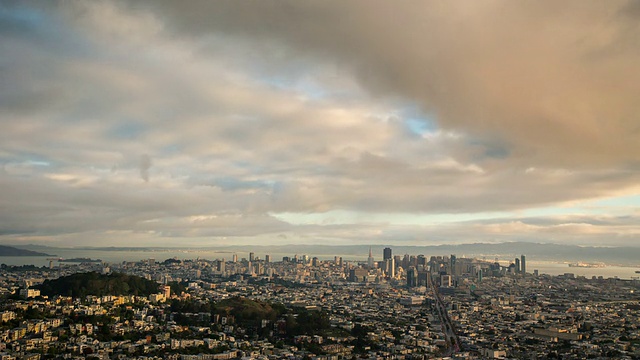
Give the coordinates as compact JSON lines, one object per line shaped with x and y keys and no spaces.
{"x":209,"y":123}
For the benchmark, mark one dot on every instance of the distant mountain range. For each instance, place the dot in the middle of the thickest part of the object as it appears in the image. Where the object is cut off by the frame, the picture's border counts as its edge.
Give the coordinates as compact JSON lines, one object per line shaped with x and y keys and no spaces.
{"x":12,"y":251}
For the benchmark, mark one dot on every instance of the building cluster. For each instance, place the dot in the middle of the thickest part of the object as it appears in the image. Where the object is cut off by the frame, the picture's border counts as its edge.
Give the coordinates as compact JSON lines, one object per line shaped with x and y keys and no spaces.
{"x":402,"y":307}
{"x":563,"y":317}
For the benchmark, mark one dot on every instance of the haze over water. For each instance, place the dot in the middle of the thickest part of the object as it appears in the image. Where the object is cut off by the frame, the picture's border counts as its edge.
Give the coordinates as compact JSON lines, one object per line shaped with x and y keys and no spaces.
{"x":544,"y":267}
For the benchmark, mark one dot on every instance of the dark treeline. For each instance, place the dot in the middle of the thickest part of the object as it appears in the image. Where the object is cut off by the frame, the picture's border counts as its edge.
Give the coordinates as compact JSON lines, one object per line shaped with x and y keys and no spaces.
{"x":91,"y":283}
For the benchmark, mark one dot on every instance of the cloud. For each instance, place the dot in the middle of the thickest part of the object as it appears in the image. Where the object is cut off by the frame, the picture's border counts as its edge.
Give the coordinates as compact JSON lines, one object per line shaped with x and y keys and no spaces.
{"x":145,"y":165}
{"x":540,"y":77}
{"x":247,"y":112}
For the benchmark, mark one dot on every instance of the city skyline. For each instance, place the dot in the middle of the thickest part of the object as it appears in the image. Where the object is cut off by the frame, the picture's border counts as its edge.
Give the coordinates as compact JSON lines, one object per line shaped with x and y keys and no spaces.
{"x":153,"y":123}
{"x":420,"y":307}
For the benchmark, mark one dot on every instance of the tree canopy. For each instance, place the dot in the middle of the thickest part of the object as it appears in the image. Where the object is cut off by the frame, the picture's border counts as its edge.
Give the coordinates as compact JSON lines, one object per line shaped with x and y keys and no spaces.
{"x":92,"y":283}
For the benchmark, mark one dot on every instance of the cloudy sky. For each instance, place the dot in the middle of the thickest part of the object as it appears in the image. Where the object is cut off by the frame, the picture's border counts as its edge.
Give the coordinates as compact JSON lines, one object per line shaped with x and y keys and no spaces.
{"x":165,"y":123}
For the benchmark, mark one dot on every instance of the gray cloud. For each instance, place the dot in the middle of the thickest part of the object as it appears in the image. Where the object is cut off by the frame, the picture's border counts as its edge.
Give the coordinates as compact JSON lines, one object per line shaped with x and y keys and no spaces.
{"x":144,"y":165}
{"x":522,"y":72}
{"x":303,"y":107}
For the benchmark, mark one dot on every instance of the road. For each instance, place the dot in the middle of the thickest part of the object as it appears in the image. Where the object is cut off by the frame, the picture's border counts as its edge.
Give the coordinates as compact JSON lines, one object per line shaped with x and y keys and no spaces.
{"x":453,"y":342}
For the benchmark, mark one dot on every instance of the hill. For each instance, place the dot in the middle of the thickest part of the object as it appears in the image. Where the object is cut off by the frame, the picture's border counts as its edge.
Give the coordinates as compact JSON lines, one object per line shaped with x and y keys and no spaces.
{"x":92,"y":283}
{"x":12,"y":251}
{"x":247,"y":310}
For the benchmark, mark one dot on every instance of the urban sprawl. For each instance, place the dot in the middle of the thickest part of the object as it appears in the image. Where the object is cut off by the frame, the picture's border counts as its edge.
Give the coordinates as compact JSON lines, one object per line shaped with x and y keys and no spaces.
{"x":301,"y":307}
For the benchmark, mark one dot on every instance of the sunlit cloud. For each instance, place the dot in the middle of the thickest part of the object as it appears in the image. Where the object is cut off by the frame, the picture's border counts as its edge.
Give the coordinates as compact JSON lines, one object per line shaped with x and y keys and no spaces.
{"x":221,"y":123}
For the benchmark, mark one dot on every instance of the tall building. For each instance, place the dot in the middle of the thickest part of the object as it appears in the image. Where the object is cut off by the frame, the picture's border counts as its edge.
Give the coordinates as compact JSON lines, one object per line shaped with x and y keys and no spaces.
{"x":222,"y":266}
{"x":452,"y":264}
{"x":386,"y":254}
{"x":390,"y":268}
{"x":422,"y":277}
{"x":446,"y":280}
{"x":413,"y":261}
{"x":406,"y":261}
{"x":235,"y":258}
{"x":523,"y":265}
{"x":251,"y":256}
{"x":358,"y":275}
{"x":412,"y":277}
{"x":370,"y":259}
{"x":517,"y":266}
{"x":267,"y":258}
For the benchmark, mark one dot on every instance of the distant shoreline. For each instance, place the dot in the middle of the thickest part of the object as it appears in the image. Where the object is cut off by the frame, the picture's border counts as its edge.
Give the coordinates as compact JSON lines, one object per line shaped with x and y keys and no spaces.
{"x":508,"y":251}
{"x":14,"y":252}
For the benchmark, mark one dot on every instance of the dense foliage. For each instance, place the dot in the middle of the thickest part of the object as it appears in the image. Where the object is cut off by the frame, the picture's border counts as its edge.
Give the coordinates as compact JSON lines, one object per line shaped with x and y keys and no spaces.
{"x":171,"y":261}
{"x":92,"y":283}
{"x":247,"y":311}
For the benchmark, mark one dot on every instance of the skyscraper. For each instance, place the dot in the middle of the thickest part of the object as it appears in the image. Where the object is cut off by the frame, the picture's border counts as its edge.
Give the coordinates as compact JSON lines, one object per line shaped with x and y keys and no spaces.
{"x":267,"y":258}
{"x":397,"y":260}
{"x":386,"y":254}
{"x":370,"y":259}
{"x":422,"y":277}
{"x":517,"y":266}
{"x":412,"y":277}
{"x":452,"y":264}
{"x":251,"y":256}
{"x":523,"y":265}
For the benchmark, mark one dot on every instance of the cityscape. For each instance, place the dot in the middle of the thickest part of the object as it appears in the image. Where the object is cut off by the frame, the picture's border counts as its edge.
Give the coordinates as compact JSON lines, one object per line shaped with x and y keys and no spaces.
{"x":409,"y":306}
{"x":319,"y":179}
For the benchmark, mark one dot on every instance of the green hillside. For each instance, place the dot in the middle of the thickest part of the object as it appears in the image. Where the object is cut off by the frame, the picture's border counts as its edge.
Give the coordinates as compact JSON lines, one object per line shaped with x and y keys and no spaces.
{"x":92,"y":283}
{"x":246,"y":310}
